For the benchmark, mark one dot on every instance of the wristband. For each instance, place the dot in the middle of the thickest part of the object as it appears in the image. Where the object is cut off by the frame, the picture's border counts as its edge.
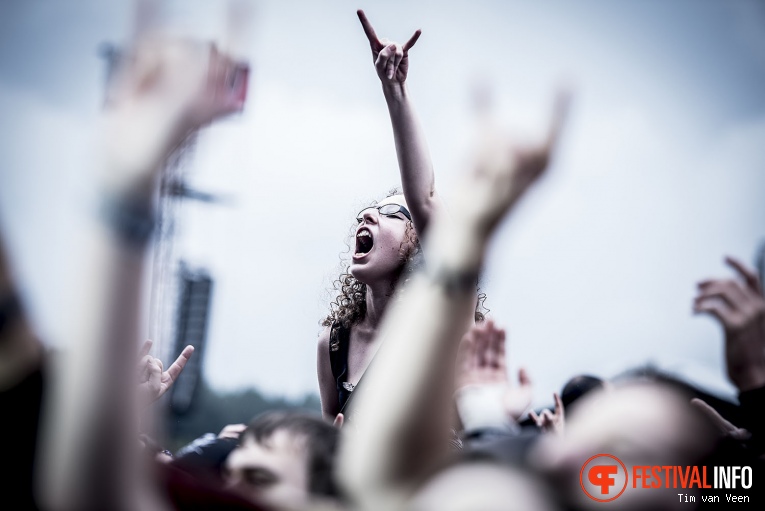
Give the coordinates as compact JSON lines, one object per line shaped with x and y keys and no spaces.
{"x":132,"y":220}
{"x":454,"y":282}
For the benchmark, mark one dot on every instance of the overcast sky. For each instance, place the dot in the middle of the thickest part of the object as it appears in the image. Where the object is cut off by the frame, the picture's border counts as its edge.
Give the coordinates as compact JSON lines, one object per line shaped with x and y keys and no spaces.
{"x":660,"y":173}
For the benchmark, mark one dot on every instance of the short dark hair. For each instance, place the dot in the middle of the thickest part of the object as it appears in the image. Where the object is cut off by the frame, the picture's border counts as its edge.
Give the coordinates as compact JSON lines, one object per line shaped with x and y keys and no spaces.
{"x":321,"y":441}
{"x":577,"y":387}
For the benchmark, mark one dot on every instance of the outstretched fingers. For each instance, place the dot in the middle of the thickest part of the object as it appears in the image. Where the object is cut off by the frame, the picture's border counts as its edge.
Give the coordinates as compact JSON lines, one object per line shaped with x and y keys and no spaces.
{"x":559,"y":116}
{"x":751,"y":278}
{"x":716,"y":308}
{"x":412,"y":40}
{"x":558,"y":405}
{"x":369,"y":31}
{"x":175,"y":370}
{"x":544,"y":420}
{"x":727,"y":291}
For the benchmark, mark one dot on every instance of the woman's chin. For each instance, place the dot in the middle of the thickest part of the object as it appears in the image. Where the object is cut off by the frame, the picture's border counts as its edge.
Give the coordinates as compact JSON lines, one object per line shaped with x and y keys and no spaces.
{"x":371,"y":274}
{"x":361,"y":272}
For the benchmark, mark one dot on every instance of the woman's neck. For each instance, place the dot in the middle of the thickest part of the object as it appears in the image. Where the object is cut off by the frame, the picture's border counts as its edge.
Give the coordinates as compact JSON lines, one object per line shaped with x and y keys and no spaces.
{"x":377,"y":300}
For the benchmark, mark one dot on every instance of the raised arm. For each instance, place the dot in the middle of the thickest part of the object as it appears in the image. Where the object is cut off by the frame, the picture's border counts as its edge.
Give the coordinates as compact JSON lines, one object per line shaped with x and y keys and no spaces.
{"x":164,"y":90}
{"x":392,"y":64}
{"x":739,"y":306}
{"x":402,"y":414}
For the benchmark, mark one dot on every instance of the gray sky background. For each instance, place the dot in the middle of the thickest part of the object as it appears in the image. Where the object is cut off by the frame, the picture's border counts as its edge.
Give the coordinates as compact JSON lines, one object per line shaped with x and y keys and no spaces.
{"x":661,"y":171}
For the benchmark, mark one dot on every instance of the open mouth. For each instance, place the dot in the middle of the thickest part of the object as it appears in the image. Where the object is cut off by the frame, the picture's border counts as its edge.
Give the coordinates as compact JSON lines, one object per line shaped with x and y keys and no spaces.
{"x":364,"y":242}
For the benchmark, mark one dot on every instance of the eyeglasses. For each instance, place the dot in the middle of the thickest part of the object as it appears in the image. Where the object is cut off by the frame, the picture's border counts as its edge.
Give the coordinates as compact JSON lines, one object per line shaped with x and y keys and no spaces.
{"x":387,"y":210}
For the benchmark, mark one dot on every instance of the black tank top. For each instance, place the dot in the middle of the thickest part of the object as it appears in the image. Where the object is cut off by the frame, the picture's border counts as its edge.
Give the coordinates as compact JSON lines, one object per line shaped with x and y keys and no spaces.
{"x":339,"y":341}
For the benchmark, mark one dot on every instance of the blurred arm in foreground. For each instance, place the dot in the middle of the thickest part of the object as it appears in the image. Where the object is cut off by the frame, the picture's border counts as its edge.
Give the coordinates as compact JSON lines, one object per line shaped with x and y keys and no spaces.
{"x":405,"y":406}
{"x":164,"y":90}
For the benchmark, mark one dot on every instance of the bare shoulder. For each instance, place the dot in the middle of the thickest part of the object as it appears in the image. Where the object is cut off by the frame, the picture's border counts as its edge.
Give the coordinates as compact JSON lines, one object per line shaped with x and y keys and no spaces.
{"x":324,"y":339}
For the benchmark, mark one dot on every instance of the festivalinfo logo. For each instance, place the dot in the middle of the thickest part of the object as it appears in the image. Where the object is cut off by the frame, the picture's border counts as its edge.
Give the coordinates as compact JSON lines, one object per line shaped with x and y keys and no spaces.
{"x":604,"y":477}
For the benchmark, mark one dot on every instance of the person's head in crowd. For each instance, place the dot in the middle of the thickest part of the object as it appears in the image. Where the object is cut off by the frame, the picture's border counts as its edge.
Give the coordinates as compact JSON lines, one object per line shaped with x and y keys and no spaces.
{"x":577,"y":387}
{"x":640,"y":423}
{"x":385,"y":249}
{"x":284,"y":458}
{"x":384,"y":241}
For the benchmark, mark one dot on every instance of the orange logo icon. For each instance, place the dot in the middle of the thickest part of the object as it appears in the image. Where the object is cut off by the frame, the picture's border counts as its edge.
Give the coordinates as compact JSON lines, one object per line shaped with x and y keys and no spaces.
{"x":606,"y":477}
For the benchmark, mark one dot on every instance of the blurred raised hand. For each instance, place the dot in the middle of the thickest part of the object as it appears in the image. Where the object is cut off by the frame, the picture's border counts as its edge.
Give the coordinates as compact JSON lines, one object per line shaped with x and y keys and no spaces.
{"x":481,"y":362}
{"x":391,"y":59}
{"x":739,"y":306}
{"x":154,"y":381}
{"x":162,"y":90}
{"x":506,"y":169}
{"x":190,"y":81}
{"x":551,"y":421}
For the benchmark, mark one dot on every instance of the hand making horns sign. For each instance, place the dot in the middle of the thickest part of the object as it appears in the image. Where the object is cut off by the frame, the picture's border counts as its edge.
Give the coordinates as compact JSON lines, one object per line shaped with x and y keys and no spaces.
{"x":391,"y":59}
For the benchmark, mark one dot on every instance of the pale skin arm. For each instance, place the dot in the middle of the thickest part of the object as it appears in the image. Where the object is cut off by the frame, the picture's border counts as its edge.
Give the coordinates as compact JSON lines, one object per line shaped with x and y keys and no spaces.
{"x":404,"y":406}
{"x":392,"y":65}
{"x":88,"y":453}
{"x":327,"y":388}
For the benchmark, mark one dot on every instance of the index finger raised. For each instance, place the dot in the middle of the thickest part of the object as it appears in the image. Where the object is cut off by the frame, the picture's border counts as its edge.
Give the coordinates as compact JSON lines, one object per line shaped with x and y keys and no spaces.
{"x":558,"y":404}
{"x":369,"y":31}
{"x":175,"y":369}
{"x":752,"y":279}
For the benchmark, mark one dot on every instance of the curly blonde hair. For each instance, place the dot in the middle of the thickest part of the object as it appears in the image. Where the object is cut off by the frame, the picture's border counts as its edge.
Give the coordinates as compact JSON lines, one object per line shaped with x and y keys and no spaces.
{"x":350,"y":305}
